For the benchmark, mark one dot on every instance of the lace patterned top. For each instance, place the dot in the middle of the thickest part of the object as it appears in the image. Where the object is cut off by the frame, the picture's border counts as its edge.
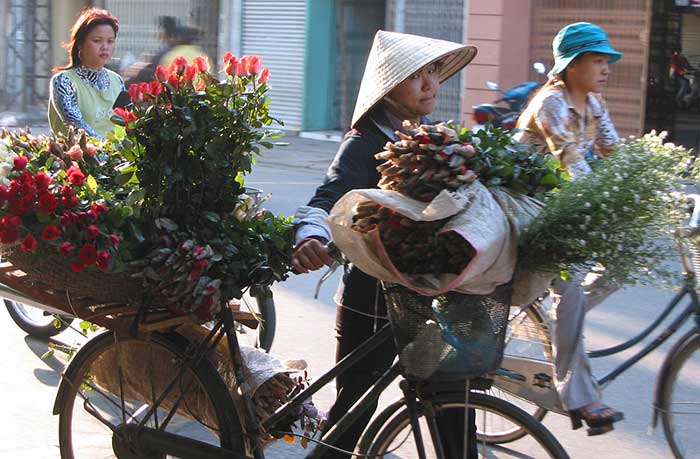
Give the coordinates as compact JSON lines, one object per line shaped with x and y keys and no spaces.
{"x":553,"y":125}
{"x":64,"y":95}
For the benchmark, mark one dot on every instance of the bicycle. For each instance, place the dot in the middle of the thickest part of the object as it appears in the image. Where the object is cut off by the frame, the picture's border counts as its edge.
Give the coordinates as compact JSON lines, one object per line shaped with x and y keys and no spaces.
{"x":529,"y":353}
{"x":195,"y":415}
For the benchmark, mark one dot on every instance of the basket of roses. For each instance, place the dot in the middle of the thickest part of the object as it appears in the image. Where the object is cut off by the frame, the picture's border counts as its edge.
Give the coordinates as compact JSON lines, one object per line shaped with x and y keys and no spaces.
{"x":157,"y":214}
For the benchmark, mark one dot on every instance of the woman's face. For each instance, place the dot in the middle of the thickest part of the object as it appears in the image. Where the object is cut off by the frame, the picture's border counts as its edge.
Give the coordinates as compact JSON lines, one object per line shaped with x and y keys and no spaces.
{"x":98,"y":47}
{"x":589,"y":72}
{"x":416,"y":96}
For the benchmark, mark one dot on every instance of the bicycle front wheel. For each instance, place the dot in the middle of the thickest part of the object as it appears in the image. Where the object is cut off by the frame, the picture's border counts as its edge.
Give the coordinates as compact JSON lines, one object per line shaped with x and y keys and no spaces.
{"x":115,"y":382}
{"x":37,"y":322}
{"x":395,"y":437}
{"x":680,"y":401}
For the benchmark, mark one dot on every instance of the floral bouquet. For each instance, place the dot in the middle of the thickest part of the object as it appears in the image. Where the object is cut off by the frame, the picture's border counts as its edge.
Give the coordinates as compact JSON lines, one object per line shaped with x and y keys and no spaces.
{"x":163,"y":201}
{"x":619,"y":215}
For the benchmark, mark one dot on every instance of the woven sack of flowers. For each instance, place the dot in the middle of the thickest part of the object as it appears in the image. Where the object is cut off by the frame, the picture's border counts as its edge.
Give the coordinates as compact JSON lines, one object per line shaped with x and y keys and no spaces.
{"x":157,"y":214}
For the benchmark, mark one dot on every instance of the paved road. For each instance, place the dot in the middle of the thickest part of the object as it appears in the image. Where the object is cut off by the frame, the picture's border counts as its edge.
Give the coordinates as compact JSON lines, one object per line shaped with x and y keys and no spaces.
{"x":305,"y":330}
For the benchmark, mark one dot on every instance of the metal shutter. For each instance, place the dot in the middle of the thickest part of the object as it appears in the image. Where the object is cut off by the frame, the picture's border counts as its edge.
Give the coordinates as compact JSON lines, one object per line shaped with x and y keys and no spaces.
{"x":627,"y":25}
{"x":275,"y":30}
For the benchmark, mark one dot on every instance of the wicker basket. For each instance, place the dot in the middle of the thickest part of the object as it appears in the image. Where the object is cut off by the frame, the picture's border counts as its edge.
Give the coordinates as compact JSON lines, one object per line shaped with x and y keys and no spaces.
{"x":95,"y":286}
{"x":448,"y":337}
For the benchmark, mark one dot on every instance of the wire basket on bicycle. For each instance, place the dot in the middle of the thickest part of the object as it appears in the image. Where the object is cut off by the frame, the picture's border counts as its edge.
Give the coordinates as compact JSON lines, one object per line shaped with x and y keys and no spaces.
{"x":454,"y":336}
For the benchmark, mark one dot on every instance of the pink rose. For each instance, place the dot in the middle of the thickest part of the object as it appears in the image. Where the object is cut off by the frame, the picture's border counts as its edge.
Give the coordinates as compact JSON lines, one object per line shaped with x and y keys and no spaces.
{"x":75,"y":152}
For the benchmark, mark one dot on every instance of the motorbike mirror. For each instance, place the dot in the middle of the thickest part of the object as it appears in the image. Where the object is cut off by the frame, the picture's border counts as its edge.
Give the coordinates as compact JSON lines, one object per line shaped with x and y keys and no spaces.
{"x":539,"y":68}
{"x":492,"y":85}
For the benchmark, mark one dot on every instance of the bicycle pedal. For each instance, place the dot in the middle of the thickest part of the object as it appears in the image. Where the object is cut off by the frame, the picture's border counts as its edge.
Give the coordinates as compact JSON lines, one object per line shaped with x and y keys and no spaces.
{"x":600,"y":430}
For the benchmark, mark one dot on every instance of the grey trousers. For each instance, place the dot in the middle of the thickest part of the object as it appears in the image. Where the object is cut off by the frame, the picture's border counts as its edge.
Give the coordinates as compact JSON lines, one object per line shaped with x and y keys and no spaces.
{"x":573,"y":378}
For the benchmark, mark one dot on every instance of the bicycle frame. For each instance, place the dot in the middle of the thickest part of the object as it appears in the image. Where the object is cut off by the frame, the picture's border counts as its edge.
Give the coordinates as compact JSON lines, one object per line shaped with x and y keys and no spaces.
{"x":692,"y":308}
{"x":155,"y":440}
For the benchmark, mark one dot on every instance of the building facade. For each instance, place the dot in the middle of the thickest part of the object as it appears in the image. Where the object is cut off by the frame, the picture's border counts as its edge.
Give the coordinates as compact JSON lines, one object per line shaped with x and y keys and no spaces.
{"x":316,"y":49}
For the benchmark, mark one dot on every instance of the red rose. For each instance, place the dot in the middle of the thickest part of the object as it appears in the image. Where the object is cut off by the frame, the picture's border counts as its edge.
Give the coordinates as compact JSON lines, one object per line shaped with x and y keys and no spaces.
{"x":9,"y":235}
{"x":50,"y":233}
{"x":19,"y":163}
{"x":161,"y":73}
{"x":231,"y":66}
{"x":126,"y":115}
{"x":11,"y":221}
{"x":4,"y":194}
{"x":65,"y":248}
{"x":91,"y":232}
{"x":67,"y":191}
{"x":155,"y":87}
{"x":87,"y":217}
{"x":264,"y":75}
{"x":177,"y":66}
{"x":189,"y":73}
{"x":201,"y":63}
{"x":42,"y":180}
{"x":91,"y":149}
{"x":103,"y":259}
{"x":114,"y":239}
{"x":70,"y":201}
{"x":99,"y":208}
{"x":254,"y":64}
{"x":228,"y":56}
{"x":88,"y":254}
{"x":174,"y":81}
{"x":28,"y":244}
{"x":26,"y":204}
{"x":47,"y":203}
{"x":200,"y":264}
{"x":76,"y":266}
{"x":242,"y":69}
{"x":135,"y":93}
{"x":75,"y":176}
{"x":68,"y":218}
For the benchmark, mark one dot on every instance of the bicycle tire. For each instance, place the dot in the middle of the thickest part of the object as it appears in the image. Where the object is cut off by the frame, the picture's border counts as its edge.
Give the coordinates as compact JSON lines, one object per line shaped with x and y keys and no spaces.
{"x":532,"y":331}
{"x":678,"y":432}
{"x":393,"y":421}
{"x":43,"y":328}
{"x":268,"y":318}
{"x":87,"y":374}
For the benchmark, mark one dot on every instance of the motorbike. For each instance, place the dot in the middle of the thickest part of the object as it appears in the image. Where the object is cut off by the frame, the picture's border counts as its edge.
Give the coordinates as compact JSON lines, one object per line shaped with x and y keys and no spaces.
{"x":515,"y":98}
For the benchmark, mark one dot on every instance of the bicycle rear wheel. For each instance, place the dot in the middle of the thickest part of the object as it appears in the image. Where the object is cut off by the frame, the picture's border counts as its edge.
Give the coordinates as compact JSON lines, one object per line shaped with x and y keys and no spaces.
{"x":390,"y":433}
{"x":680,"y":401}
{"x":106,"y":386}
{"x":527,"y":336}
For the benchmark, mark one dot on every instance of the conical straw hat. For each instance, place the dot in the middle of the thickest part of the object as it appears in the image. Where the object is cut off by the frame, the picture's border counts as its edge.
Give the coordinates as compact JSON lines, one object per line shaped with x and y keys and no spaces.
{"x":396,"y":56}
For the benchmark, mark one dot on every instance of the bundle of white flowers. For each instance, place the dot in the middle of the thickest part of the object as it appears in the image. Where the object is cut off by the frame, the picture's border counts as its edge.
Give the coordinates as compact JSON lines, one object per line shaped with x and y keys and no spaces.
{"x":619,"y":215}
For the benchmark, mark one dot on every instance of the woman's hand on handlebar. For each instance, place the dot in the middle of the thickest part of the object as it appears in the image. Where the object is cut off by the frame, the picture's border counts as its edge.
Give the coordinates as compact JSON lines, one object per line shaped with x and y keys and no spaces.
{"x":311,"y":255}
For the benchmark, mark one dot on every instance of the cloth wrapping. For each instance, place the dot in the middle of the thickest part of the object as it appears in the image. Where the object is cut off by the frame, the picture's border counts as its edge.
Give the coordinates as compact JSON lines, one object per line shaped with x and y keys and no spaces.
{"x":489,"y":219}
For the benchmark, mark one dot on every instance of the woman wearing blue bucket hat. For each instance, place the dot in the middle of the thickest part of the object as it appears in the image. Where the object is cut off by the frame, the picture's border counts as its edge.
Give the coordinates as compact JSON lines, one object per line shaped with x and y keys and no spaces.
{"x":569,"y":119}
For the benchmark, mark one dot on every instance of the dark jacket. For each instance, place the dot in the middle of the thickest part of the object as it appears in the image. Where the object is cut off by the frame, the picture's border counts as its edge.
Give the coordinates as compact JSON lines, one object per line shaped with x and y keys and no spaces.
{"x":355,"y":167}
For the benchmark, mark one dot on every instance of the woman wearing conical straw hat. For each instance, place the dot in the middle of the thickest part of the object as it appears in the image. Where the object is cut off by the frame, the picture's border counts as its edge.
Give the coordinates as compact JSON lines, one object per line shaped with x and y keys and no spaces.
{"x":401,"y":82}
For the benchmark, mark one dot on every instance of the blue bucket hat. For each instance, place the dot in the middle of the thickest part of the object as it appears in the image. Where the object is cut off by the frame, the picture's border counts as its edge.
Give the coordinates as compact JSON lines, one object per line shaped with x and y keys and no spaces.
{"x":581,"y":37}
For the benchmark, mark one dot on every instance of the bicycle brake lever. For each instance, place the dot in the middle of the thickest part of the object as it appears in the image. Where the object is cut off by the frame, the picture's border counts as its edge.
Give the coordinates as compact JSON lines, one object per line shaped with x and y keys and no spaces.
{"x":331,"y":269}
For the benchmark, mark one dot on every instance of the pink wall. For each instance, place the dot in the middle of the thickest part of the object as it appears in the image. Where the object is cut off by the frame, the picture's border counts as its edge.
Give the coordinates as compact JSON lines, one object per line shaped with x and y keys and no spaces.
{"x":501,"y":31}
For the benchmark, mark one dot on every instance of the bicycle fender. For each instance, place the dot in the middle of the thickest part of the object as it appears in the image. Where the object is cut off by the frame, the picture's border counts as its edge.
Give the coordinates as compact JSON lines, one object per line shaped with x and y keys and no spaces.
{"x":666,"y":367}
{"x":69,"y":372}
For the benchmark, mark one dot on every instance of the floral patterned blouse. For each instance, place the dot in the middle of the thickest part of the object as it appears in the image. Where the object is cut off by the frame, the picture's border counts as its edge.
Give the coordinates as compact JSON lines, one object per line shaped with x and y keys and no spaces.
{"x":553,"y":125}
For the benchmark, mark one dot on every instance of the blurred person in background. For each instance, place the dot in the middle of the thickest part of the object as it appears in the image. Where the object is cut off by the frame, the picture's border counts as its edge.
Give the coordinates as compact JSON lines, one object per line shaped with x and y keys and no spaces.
{"x":177,"y":40}
{"x":82,"y":93}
